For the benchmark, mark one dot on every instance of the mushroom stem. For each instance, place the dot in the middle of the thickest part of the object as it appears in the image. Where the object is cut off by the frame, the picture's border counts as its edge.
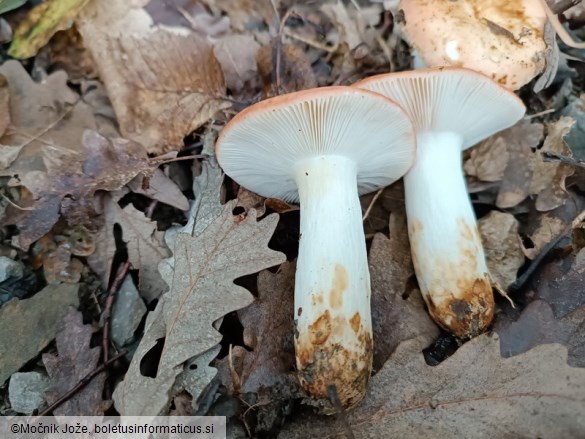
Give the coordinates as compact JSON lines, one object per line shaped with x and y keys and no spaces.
{"x":446,"y":247}
{"x":333,"y":336}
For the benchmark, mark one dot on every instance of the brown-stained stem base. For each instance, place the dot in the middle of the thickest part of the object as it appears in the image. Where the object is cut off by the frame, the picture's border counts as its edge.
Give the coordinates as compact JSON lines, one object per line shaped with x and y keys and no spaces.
{"x":468,"y":315}
{"x":322,"y":364}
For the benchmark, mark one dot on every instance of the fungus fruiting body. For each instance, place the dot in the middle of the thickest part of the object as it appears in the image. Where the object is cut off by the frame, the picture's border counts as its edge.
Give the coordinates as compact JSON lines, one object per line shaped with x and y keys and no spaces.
{"x":502,"y":39}
{"x":452,"y":109}
{"x":324,"y":148}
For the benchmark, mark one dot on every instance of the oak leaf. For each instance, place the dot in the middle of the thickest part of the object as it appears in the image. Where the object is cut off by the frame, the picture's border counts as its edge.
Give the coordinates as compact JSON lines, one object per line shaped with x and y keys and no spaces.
{"x":475,"y":393}
{"x":202,"y":292}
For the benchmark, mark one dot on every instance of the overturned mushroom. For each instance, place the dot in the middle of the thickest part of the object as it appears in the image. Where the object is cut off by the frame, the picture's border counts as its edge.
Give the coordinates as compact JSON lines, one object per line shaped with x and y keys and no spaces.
{"x":324,"y":147}
{"x":502,"y":39}
{"x":452,"y":109}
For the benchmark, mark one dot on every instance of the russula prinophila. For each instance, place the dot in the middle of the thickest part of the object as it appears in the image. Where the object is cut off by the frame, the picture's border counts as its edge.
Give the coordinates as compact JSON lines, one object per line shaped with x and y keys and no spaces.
{"x":323,"y":148}
{"x":451,"y":109}
{"x":502,"y":39}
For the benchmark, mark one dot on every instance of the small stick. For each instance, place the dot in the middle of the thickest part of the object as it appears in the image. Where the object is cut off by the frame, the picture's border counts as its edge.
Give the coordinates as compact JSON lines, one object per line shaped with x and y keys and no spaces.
{"x":82,"y":383}
{"x":108,"y":307}
{"x":553,"y":157}
{"x":540,"y":113}
{"x":369,"y":209}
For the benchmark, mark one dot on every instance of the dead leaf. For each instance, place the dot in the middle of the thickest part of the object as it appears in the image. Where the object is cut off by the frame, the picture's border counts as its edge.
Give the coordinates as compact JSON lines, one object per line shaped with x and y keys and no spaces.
{"x":196,"y":375}
{"x":244,"y":14}
{"x":94,"y":94}
{"x":475,"y":393}
{"x":251,"y":200}
{"x":66,"y":51}
{"x":237,"y":55}
{"x":537,"y":325}
{"x":146,"y":247}
{"x":73,"y":177}
{"x":295,"y":71}
{"x":560,"y":283}
{"x":520,"y":140}
{"x":46,"y":113}
{"x":268,"y":331}
{"x":4,"y":105}
{"x":161,"y":188}
{"x":502,"y":246}
{"x":202,"y":292}
{"x":74,"y":361}
{"x":549,"y":226}
{"x":41,"y":23}
{"x":488,"y":160}
{"x":34,"y":323}
{"x":138,"y":394}
{"x":205,"y":267}
{"x":549,"y":177}
{"x":204,"y":210}
{"x":397,"y":313}
{"x":163,"y":84}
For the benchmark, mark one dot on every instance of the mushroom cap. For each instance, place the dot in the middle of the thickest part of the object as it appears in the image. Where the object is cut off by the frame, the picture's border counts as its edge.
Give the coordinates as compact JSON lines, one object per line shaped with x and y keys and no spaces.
{"x":261,"y":145}
{"x":502,"y":39}
{"x":450,"y":99}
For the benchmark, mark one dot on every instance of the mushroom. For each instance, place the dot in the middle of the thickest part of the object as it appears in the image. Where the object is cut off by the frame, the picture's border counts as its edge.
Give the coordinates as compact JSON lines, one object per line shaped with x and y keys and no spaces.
{"x":452,"y":109}
{"x":500,"y":38}
{"x":324,"y":147}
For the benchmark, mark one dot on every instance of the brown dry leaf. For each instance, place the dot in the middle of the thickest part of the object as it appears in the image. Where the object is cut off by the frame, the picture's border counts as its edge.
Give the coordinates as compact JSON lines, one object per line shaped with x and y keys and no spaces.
{"x":397,"y":313}
{"x":163,"y":84}
{"x":74,"y":361}
{"x":521,"y":140}
{"x":202,"y":292}
{"x":268,"y":331}
{"x":549,"y":226}
{"x":67,"y":52}
{"x":475,"y":393}
{"x":548,"y":179}
{"x":244,"y":14}
{"x":237,"y":55}
{"x":33,"y":323}
{"x":488,"y":160}
{"x":146,"y":247}
{"x":160,"y":187}
{"x":354,"y":37}
{"x":45,"y":113}
{"x":73,"y":177}
{"x":537,"y":325}
{"x":295,"y":72}
{"x":251,"y":200}
{"x":502,"y":245}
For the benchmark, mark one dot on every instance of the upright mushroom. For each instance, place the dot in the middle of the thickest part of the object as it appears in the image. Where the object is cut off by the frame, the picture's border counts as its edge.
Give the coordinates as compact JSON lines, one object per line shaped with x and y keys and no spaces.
{"x":502,"y":39}
{"x":452,"y":109}
{"x":324,"y":147}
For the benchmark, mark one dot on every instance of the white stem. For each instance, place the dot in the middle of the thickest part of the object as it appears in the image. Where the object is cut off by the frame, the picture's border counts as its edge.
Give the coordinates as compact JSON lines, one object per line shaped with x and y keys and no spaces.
{"x":332,"y":290}
{"x":446,"y":247}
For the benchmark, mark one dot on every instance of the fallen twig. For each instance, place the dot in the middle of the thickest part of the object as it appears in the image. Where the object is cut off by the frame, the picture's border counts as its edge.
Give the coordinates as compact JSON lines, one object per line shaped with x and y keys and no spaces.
{"x":108,"y":307}
{"x":82,"y":383}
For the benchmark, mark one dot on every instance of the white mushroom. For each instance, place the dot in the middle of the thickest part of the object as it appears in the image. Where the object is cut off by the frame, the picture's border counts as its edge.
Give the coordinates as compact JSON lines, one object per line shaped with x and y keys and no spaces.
{"x":452,"y":109}
{"x":324,"y":147}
